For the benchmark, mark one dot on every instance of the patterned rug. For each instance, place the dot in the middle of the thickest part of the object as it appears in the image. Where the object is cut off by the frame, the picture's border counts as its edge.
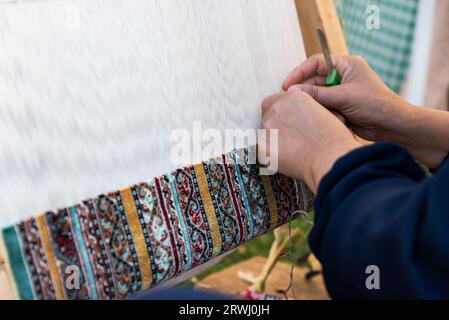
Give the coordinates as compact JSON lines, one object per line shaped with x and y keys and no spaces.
{"x":136,"y":238}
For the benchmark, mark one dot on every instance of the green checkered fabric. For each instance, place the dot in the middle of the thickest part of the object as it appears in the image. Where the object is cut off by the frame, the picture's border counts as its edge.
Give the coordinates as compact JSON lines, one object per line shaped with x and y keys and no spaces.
{"x":387,"y":49}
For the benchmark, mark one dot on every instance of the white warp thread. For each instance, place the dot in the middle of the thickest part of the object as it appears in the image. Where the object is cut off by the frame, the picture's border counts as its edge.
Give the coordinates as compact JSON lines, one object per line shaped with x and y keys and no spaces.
{"x":88,"y":110}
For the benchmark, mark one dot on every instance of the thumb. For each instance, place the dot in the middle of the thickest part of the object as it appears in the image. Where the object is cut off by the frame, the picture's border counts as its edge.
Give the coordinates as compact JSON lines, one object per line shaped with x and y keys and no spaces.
{"x":329,"y":97}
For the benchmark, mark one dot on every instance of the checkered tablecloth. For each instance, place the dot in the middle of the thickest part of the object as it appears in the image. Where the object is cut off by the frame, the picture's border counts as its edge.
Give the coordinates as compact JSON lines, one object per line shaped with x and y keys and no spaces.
{"x":387,"y":49}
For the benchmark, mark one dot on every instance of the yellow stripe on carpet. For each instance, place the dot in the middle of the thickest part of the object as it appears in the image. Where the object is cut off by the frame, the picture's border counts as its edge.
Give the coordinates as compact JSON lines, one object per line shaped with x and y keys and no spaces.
{"x":48,"y":250}
{"x":209,"y":208}
{"x":137,"y":236}
{"x":271,"y":201}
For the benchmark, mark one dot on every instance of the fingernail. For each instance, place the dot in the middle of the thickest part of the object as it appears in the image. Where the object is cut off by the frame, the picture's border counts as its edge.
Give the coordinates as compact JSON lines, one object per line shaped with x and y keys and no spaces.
{"x":295,"y":88}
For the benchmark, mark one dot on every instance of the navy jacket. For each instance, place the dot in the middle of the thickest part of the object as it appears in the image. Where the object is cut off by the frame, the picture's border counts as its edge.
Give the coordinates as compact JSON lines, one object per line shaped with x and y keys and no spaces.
{"x":378,"y":207}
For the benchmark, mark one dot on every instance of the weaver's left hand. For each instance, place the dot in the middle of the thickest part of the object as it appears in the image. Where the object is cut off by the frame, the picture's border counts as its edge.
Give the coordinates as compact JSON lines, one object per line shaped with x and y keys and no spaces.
{"x":311,"y":138}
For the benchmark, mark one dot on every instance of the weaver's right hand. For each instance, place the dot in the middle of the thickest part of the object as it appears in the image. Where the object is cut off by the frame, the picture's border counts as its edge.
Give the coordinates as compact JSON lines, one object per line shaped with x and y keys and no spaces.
{"x":372,"y":110}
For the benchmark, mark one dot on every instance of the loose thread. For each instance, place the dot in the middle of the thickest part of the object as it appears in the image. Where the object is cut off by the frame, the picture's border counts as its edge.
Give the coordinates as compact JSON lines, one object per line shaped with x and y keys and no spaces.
{"x":305,"y":216}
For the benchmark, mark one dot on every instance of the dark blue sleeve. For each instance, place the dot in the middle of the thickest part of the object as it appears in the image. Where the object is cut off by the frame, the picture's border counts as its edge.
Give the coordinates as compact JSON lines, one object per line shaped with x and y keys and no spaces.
{"x":378,"y":207}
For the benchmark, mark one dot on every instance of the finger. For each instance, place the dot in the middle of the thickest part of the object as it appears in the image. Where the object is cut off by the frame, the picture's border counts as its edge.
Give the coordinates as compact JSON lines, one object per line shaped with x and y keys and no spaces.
{"x":338,"y":115}
{"x":314,"y":66}
{"x":329,"y":97}
{"x":269,"y":111}
{"x":269,"y":101}
{"x":315,"y":81}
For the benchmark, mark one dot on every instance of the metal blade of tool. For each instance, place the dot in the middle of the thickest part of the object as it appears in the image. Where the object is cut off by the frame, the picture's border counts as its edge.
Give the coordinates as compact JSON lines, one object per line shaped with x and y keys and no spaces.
{"x":326,"y":51}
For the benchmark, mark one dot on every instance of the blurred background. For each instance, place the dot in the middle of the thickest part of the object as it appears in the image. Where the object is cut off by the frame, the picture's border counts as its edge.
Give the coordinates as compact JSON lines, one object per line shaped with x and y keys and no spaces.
{"x":408,"y":50}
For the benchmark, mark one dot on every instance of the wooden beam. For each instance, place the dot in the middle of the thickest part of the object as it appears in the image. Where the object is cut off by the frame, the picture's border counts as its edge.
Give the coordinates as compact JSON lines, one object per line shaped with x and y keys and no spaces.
{"x":314,"y":14}
{"x":6,"y":291}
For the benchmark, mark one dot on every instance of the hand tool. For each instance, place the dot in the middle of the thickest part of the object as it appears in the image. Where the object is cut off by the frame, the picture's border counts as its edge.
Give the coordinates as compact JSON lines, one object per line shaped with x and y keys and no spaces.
{"x":332,"y":78}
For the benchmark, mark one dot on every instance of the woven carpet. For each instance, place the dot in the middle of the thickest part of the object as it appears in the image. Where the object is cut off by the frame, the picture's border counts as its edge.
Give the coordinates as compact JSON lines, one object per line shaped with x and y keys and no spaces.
{"x":136,"y":238}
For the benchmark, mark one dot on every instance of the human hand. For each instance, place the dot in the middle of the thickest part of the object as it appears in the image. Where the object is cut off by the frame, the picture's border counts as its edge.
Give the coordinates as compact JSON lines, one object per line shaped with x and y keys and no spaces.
{"x":310,"y":139}
{"x":372,"y":110}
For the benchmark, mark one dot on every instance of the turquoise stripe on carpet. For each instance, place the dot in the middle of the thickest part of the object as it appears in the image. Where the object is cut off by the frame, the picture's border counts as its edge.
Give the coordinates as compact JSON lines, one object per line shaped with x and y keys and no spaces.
{"x":17,"y":263}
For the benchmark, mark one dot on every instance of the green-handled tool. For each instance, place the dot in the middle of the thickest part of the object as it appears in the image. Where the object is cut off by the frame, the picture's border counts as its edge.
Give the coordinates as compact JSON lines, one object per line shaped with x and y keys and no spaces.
{"x":332,"y":78}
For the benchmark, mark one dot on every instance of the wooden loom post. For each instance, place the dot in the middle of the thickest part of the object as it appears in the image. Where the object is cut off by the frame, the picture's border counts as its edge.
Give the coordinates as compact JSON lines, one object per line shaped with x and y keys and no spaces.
{"x":312,"y":14}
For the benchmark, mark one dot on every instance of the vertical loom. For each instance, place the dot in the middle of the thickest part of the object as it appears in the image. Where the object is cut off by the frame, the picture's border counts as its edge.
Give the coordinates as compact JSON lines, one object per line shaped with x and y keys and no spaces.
{"x":71,"y":116}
